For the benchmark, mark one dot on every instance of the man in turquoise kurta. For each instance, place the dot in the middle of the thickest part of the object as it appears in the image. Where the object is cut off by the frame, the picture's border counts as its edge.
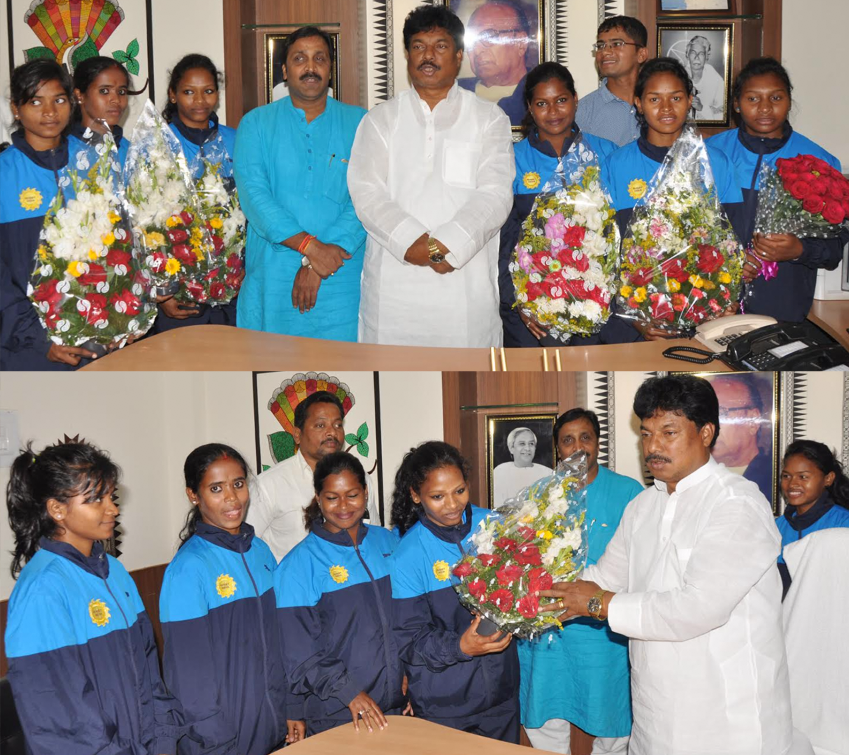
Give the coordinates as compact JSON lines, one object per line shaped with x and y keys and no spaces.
{"x":579,"y":675}
{"x":304,"y":252}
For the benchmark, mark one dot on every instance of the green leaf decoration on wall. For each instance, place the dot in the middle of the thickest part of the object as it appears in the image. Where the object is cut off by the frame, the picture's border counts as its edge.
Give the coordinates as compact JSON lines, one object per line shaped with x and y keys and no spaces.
{"x":282,"y":446}
{"x":128,"y":57}
{"x":85,"y":51}
{"x":358,"y":440}
{"x":35,"y":53}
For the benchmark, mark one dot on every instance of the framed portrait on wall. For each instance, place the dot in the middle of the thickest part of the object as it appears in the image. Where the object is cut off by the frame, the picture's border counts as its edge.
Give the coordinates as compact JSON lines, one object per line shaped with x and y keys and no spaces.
{"x":275,"y":86}
{"x":694,"y":6}
{"x":706,"y":52}
{"x":519,"y":451}
{"x":501,"y":45}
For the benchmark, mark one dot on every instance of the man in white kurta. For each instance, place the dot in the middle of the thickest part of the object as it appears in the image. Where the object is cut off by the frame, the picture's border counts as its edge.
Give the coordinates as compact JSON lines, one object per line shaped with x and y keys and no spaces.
{"x":709,"y":86}
{"x":690,"y":577}
{"x":430,"y":177}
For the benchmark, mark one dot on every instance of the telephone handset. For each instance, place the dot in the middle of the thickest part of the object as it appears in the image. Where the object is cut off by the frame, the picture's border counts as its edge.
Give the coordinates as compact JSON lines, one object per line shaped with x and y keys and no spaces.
{"x":718,"y":334}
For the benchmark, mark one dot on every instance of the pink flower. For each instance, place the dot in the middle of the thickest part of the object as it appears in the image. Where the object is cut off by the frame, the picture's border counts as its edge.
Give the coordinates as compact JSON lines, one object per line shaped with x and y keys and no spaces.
{"x":555,"y":227}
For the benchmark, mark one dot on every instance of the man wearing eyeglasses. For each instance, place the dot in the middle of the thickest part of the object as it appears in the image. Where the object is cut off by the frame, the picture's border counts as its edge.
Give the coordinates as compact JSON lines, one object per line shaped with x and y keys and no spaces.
{"x":709,"y":94}
{"x":619,"y":51}
{"x":497,"y":39}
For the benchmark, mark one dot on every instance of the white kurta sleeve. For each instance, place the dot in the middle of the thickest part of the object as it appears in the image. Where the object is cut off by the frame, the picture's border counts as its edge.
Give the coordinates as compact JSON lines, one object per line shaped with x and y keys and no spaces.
{"x":481,"y":217}
{"x":368,"y":173}
{"x":260,"y":512}
{"x":610,"y":572}
{"x":738,"y":544}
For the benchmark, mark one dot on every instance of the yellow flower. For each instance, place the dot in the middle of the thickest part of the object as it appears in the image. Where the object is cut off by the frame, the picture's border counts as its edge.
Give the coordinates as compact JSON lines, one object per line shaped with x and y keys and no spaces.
{"x":708,"y":285}
{"x":99,"y":612}
{"x":174,"y":221}
{"x":76,"y":268}
{"x":697,"y":281}
{"x":637,"y":188}
{"x":225,"y":586}
{"x":108,"y":239}
{"x":92,"y":254}
{"x":198,"y":252}
{"x":526,"y":519}
{"x":154,"y":239}
{"x":724,"y":278}
{"x":30,"y":199}
{"x":530,"y":180}
{"x":172,"y":267}
{"x":339,"y":574}
{"x":441,"y":570}
{"x":42,"y":252}
{"x":216,"y":222}
{"x":114,"y":217}
{"x":197,"y":234}
{"x":640,"y":294}
{"x":673,"y":285}
{"x":545,"y":534}
{"x":626,"y":291}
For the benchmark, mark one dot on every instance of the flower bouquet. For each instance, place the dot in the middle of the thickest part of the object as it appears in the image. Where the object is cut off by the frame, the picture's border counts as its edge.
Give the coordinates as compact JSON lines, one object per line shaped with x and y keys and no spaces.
{"x":564,"y":266}
{"x":164,"y":206}
{"x":681,"y":260}
{"x":88,"y":286}
{"x":219,"y":275}
{"x":530,"y":542}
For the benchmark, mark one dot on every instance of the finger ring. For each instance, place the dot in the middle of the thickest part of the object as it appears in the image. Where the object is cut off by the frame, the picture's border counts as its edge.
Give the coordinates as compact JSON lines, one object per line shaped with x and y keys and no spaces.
{"x":560,"y":604}
{"x":362,"y":712}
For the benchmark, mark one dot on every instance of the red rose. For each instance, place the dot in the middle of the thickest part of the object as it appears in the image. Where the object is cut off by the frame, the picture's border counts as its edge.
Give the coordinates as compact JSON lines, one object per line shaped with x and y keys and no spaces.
{"x":508,"y":574}
{"x":211,"y":274}
{"x":47,"y":292}
{"x":477,"y":587}
{"x":574,"y":258}
{"x":819,"y":186}
{"x":117,"y":257}
{"x":158,"y":262}
{"x":217,"y":243}
{"x":177,"y":235}
{"x":812,"y":204}
{"x":96,"y":309}
{"x":833,"y":212}
{"x":187,"y":217}
{"x":96,"y":274}
{"x":234,"y":262}
{"x":696,"y":313}
{"x":132,"y":305}
{"x":710,"y":259}
{"x":463,"y":569}
{"x":539,"y":579}
{"x":185,"y":254}
{"x":526,"y":533}
{"x":506,"y":544}
{"x":502,"y":599}
{"x":217,"y":290}
{"x":641,"y":276}
{"x":489,"y":559}
{"x":195,"y":290}
{"x":674,"y":269}
{"x":799,"y":189}
{"x":661,"y":308}
{"x":534,"y":290}
{"x":528,"y":606}
{"x":574,"y":235}
{"x":233,"y":281}
{"x":529,"y":555}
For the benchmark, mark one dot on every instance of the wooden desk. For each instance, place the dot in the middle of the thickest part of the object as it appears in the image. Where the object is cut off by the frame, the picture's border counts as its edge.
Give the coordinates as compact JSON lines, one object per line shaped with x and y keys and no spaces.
{"x":218,"y":347}
{"x":833,"y":318}
{"x":403,"y":735}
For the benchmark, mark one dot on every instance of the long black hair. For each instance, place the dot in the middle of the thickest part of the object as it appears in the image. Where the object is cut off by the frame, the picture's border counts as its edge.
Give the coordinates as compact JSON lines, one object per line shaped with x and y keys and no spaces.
{"x":760,"y":67}
{"x":28,"y":78}
{"x":822,"y":457}
{"x":184,"y":65}
{"x":332,"y":464}
{"x":194,"y":468}
{"x":539,"y":75}
{"x":62,"y":472}
{"x":87,"y":71}
{"x":418,"y":463}
{"x":660,"y":65}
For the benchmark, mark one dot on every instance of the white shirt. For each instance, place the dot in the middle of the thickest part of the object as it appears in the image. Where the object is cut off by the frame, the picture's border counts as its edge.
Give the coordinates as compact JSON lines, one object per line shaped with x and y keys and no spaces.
{"x":699,"y":594}
{"x":278,"y":499}
{"x":447,"y":172}
{"x":711,"y":93}
{"x":508,"y":479}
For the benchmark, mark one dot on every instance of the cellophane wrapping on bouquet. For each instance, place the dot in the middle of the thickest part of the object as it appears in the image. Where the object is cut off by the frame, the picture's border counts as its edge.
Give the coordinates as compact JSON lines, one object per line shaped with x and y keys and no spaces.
{"x":681,"y":262}
{"x":88,"y":285}
{"x":219,"y":276}
{"x":526,"y":545}
{"x":564,"y":265}
{"x":164,"y":206}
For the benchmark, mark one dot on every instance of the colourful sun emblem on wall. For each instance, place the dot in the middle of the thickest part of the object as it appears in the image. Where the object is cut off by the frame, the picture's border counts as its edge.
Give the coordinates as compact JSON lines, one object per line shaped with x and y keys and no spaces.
{"x":637,"y":188}
{"x":441,"y":570}
{"x":225,"y":586}
{"x":339,"y":574}
{"x":530,"y":180}
{"x":30,"y":199}
{"x":99,"y":612}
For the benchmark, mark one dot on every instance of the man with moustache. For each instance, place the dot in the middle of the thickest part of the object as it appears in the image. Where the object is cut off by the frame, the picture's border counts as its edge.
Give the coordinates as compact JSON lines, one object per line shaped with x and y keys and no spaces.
{"x":280,"y":494}
{"x":431,"y":178}
{"x":690,"y":577}
{"x":291,"y":165}
{"x":709,"y":86}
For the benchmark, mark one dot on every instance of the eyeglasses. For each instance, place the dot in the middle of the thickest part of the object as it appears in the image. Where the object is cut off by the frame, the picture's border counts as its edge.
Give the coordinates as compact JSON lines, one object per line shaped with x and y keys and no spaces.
{"x":488,"y":37}
{"x":616,"y":44}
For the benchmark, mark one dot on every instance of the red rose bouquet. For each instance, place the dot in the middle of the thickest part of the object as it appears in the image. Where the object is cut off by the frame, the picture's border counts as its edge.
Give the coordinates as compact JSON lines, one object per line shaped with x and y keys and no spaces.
{"x":532,"y":541}
{"x":681,"y":261}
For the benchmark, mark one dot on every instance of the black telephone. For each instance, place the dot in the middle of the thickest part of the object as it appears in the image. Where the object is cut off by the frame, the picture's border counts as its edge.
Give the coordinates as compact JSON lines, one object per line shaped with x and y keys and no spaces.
{"x":772,"y":346}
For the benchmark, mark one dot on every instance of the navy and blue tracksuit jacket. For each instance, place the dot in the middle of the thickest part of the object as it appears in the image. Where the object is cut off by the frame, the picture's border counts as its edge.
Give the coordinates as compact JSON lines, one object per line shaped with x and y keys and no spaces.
{"x":121,"y":144}
{"x":536,"y":162}
{"x":790,"y":294}
{"x":82,"y":659}
{"x":193,"y":141}
{"x":333,"y":607}
{"x":478,"y":694}
{"x":29,"y":185}
{"x":222,"y":658}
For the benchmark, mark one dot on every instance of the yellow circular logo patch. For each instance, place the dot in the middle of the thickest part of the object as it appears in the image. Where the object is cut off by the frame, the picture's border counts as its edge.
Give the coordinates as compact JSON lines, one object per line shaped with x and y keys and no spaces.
{"x":30,"y":199}
{"x":99,"y":612}
{"x":225,"y":585}
{"x":530,"y":180}
{"x":637,"y":188}
{"x":441,"y":570}
{"x":339,"y":574}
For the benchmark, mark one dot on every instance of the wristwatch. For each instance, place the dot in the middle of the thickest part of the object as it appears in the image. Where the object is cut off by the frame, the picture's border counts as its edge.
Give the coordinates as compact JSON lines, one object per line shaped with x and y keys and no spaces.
{"x":434,"y":255}
{"x":594,"y":605}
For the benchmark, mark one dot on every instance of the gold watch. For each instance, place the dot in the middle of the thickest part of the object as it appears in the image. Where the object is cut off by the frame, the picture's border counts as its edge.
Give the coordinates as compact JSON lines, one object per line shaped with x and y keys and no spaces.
{"x":434,"y":254}
{"x":595,"y":604}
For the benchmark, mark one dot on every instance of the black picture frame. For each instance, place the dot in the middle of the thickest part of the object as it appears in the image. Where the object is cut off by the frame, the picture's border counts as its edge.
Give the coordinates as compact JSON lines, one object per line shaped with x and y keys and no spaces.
{"x":273,"y":57}
{"x":694,"y":7}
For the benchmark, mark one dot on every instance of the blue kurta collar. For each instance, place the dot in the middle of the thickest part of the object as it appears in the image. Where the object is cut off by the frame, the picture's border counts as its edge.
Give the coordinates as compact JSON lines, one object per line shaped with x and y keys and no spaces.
{"x":455,"y":534}
{"x":338,"y":538}
{"x":51,"y":159}
{"x":78,"y":130}
{"x":96,"y":564}
{"x":301,"y":115}
{"x":238,"y":543}
{"x":540,"y":145}
{"x":197,"y":136}
{"x":801,"y":522}
{"x":761,"y":146}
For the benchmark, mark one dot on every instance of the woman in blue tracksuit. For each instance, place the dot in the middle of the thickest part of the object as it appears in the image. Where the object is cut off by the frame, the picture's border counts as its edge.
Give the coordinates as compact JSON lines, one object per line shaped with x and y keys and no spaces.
{"x":457,"y":677}
{"x":550,"y":130}
{"x":222,"y":657}
{"x":101,"y":87}
{"x":816,"y":490}
{"x":663,"y":96}
{"x":33,"y":170}
{"x":334,"y":606}
{"x":762,"y":100}
{"x":82,"y":657}
{"x":192,"y":100}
